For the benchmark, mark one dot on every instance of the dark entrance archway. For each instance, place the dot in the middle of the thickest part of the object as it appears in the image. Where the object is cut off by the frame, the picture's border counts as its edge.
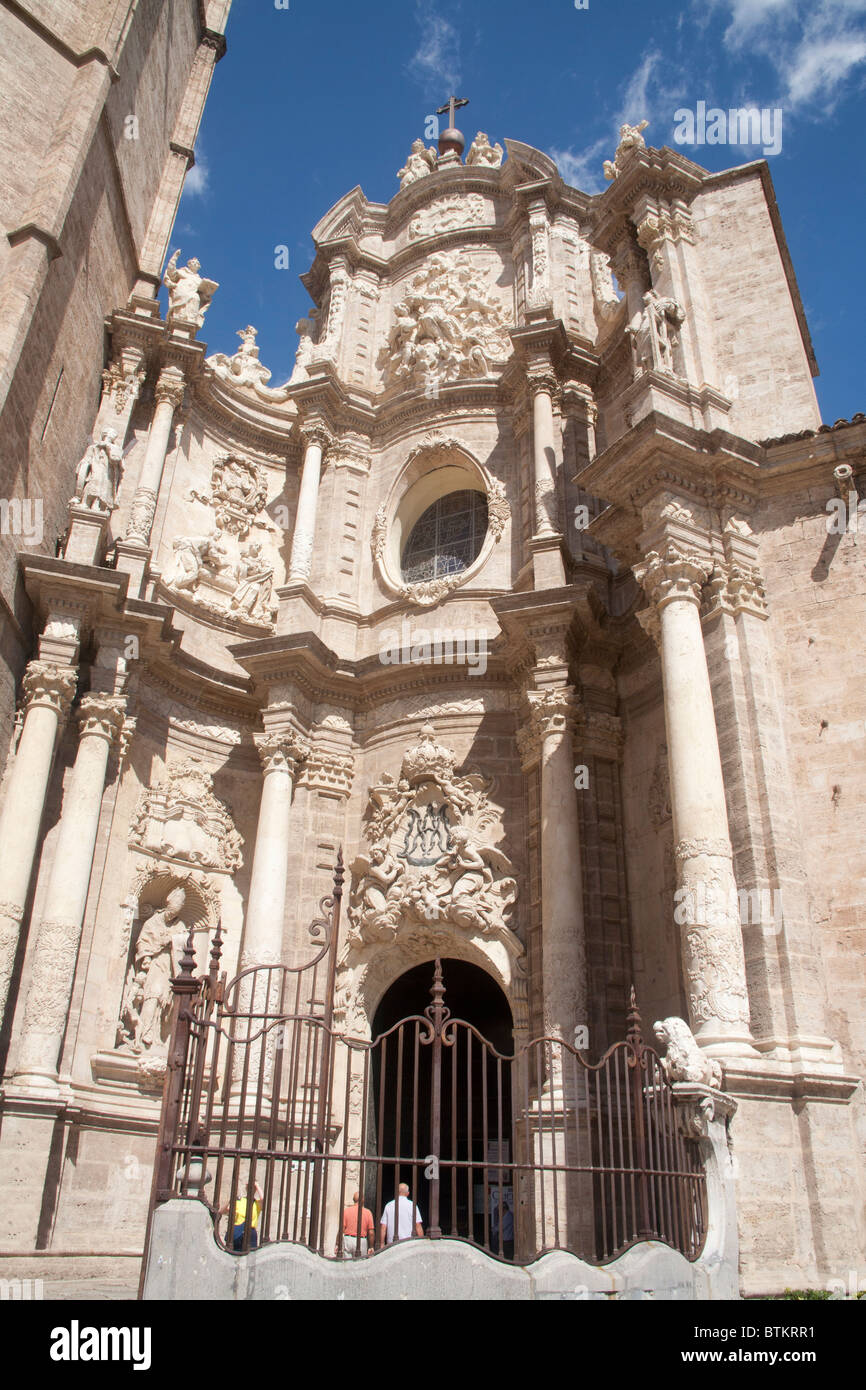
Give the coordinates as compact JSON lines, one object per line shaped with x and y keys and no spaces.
{"x":472,"y":1093}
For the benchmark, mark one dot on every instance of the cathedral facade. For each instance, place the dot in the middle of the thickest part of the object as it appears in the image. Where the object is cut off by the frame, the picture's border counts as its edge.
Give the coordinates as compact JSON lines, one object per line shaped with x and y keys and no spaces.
{"x":529,"y":590}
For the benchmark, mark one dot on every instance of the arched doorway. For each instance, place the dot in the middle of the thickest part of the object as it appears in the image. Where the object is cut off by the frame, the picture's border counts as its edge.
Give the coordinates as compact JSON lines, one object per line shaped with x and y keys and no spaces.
{"x":444,"y":1107}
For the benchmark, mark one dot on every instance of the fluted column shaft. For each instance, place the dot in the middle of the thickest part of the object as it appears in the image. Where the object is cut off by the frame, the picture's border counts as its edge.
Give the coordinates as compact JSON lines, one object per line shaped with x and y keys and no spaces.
{"x":562,"y":929}
{"x":544,"y":454}
{"x":59,"y":933}
{"x":48,"y":691}
{"x":169,"y":395}
{"x":263,"y":932}
{"x":304,"y":535}
{"x":707,"y":906}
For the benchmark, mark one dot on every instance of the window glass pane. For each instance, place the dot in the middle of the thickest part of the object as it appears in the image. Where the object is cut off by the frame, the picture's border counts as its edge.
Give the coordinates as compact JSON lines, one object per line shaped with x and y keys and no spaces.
{"x":447,"y":537}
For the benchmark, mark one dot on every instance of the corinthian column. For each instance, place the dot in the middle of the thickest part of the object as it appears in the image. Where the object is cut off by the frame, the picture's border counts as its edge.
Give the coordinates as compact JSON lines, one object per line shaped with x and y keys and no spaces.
{"x":56,"y":946}
{"x":707,"y":907}
{"x":48,"y":692}
{"x":562,"y":928}
{"x":316,"y":439}
{"x":263,"y":933}
{"x":169,"y":395}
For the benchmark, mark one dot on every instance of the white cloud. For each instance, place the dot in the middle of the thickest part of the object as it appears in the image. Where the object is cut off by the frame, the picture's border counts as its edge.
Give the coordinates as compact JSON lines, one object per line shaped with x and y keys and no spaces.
{"x":582,"y":168}
{"x":814,"y":47}
{"x":196,"y":181}
{"x":436,"y":61}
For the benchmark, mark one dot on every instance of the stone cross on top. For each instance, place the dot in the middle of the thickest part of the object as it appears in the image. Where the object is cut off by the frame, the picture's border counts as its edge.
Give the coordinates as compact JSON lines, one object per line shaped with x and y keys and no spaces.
{"x":451,"y":139}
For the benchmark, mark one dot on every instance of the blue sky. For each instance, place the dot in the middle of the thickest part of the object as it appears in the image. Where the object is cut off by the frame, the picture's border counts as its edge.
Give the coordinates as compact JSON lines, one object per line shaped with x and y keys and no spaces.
{"x":313,"y":99}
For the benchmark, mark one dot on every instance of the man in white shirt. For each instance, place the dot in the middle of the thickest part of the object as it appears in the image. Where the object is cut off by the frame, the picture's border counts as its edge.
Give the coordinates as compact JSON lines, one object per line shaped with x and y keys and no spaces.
{"x":406,"y":1213}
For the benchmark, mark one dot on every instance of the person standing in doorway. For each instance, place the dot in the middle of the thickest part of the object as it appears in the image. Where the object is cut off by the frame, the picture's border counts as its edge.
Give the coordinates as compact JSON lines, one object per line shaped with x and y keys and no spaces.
{"x":355,"y":1240}
{"x":400,"y":1219}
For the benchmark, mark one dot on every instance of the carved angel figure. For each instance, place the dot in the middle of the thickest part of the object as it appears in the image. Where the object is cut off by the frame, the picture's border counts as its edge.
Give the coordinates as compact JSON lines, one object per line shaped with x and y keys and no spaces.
{"x":421,"y":161}
{"x":98,"y":473}
{"x":482,"y":152}
{"x":630,"y":139}
{"x":254,"y":583}
{"x":189,"y":294}
{"x":684,"y":1060}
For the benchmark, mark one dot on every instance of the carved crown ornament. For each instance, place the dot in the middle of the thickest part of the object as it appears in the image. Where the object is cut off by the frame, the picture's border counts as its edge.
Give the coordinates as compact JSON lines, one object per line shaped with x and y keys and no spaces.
{"x":182,"y":821}
{"x":432,"y":865}
{"x":434,"y":452}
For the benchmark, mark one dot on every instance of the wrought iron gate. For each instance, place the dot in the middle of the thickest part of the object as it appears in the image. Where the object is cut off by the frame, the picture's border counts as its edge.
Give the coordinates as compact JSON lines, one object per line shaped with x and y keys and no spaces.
{"x":274,"y":1119}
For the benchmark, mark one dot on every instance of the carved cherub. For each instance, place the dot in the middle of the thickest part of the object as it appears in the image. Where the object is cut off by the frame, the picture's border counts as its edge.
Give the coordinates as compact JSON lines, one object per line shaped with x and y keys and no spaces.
{"x":421,"y":161}
{"x":482,"y":152}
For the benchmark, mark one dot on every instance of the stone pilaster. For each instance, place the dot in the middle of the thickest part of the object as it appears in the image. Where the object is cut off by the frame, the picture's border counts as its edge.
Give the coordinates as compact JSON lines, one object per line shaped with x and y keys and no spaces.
{"x":712,"y":946}
{"x":48,"y":692}
{"x":169,"y":397}
{"x":55,"y":950}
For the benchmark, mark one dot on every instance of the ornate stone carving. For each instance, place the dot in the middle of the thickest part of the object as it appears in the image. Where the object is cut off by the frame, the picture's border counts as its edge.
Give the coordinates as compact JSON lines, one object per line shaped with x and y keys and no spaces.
{"x":239,"y":492}
{"x":605,"y":297}
{"x":683,"y":1059}
{"x":252,"y":596}
{"x":194,"y":556}
{"x":672,"y":575}
{"x":48,"y":996}
{"x":738,"y":589}
{"x":421,"y":162}
{"x":328,"y":772}
{"x":102,"y":716}
{"x":98,"y":474}
{"x":716,"y":974}
{"x":498,"y":509}
{"x":630,"y":140}
{"x":553,"y":711}
{"x":431,"y":862}
{"x":141,"y":515}
{"x":281,"y":749}
{"x":145,"y":1015}
{"x":449,"y":324}
{"x":180,"y":819}
{"x":691,"y":849}
{"x":244,"y":370}
{"x":446,"y":214}
{"x":189,"y":294}
{"x":170,"y":387}
{"x":654,"y":337}
{"x":481,"y":152}
{"x":307,"y":330}
{"x":538,"y":231}
{"x":659,"y":799}
{"x":50,"y":685}
{"x":122,"y":380}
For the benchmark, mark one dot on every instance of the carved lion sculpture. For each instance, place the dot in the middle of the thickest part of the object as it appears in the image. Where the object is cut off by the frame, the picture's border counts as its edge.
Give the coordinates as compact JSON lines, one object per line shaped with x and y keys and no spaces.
{"x":684,"y":1060}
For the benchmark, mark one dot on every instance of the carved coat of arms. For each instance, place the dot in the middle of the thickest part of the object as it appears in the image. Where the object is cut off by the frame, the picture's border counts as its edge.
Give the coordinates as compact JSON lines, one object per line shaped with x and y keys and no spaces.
{"x":430,"y":861}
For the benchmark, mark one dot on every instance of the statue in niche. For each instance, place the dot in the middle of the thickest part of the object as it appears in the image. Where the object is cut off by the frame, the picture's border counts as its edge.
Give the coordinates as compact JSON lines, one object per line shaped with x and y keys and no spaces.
{"x":482,"y":152}
{"x":147,"y":997}
{"x":98,"y":473}
{"x":251,"y":598}
{"x":189,"y":294}
{"x":654,"y":335}
{"x":421,"y":162}
{"x":193,"y":554}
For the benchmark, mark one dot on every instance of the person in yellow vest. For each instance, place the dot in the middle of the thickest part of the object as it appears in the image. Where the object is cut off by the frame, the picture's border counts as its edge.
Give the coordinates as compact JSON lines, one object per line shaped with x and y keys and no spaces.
{"x":240,"y":1221}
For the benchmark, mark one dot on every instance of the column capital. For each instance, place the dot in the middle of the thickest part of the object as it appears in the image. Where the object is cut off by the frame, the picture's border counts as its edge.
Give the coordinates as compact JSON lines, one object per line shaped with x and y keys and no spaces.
{"x":122,"y":379}
{"x":542,"y":378}
{"x":281,"y":750}
{"x":673,"y":574}
{"x":316,"y":432}
{"x":102,"y":716}
{"x":50,"y":686}
{"x":553,"y":711}
{"x":325,"y":770}
{"x":170,"y":387}
{"x":736,"y":589}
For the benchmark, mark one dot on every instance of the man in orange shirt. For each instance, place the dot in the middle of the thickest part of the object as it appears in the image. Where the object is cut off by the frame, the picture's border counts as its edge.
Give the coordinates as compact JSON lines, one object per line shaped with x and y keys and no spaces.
{"x":351,"y":1217}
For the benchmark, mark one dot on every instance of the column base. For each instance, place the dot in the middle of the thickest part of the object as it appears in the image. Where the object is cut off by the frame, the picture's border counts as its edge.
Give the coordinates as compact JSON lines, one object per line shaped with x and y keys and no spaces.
{"x":548,"y":567}
{"x":725,"y":1040}
{"x":133,"y":558}
{"x":44,"y":1084}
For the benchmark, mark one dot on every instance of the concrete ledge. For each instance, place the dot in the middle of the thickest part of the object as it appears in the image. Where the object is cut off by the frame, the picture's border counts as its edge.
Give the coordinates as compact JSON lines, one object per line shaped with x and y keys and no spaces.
{"x":186,"y":1263}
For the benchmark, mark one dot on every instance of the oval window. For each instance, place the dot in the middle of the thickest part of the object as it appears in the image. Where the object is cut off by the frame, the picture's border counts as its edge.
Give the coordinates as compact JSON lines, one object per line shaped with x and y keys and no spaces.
{"x":447,"y":537}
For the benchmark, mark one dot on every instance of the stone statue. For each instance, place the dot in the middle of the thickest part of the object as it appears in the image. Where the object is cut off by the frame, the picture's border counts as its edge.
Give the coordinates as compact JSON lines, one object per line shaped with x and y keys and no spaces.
{"x":684,"y":1060}
{"x":251,"y":598}
{"x":654,"y":334}
{"x":147,"y":998}
{"x":420,"y":163}
{"x":306,"y":330}
{"x":189,"y":294}
{"x":630,"y":139}
{"x":193,"y":554}
{"x":482,"y":152}
{"x":244,"y":368}
{"x":98,"y":473}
